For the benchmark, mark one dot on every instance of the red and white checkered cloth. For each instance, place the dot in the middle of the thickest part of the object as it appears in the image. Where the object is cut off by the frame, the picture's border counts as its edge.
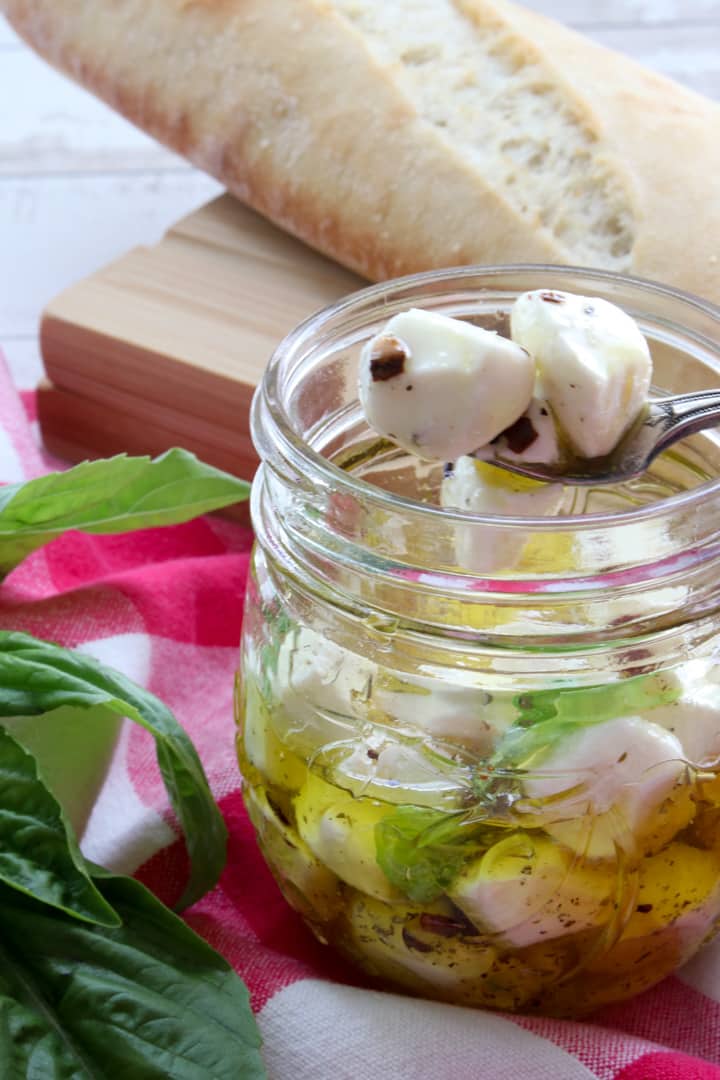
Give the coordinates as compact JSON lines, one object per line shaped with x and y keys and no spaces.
{"x":165,"y":607}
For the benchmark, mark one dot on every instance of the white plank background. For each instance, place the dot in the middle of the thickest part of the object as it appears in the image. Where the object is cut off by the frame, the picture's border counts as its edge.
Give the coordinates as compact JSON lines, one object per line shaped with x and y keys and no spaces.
{"x":79,"y":185}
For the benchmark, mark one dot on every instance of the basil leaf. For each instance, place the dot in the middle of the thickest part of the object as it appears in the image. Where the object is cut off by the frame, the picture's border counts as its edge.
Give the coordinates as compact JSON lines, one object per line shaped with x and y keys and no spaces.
{"x":549,"y":715}
{"x":72,"y":755}
{"x":111,"y":496}
{"x":39,"y":854}
{"x":593,"y":704}
{"x":29,"y":1044}
{"x":28,"y":1048}
{"x":421,"y":851}
{"x":38,"y":677}
{"x":149,"y":999}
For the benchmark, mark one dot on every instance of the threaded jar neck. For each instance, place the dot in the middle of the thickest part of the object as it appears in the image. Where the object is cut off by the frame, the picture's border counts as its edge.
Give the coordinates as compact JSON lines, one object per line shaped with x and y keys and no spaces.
{"x":344,"y":515}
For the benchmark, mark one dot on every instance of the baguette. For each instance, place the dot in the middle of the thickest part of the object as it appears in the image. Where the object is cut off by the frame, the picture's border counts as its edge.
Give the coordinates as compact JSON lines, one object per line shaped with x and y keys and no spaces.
{"x":402,"y":135}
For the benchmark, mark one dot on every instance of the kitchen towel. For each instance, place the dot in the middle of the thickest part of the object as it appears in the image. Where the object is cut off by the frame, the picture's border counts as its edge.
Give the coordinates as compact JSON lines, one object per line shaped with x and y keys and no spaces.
{"x":165,"y":607}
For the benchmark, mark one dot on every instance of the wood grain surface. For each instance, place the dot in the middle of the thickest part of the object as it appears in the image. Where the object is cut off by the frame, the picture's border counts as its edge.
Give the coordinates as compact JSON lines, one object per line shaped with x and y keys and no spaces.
{"x":165,"y":346}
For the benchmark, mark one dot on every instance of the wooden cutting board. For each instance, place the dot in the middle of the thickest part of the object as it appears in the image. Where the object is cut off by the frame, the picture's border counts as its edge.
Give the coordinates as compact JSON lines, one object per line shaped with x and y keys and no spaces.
{"x":165,"y":346}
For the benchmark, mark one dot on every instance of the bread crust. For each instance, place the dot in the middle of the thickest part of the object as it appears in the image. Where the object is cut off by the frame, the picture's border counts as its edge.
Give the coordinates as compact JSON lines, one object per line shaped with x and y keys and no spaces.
{"x":289,"y":105}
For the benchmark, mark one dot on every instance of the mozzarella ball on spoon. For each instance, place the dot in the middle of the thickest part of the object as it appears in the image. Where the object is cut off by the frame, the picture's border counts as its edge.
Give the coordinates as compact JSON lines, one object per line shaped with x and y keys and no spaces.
{"x":441,"y":387}
{"x":532,"y":439}
{"x":593,"y":362}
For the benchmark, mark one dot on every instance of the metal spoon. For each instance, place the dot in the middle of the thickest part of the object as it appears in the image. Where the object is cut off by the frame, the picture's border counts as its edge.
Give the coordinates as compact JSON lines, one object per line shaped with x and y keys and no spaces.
{"x":663,"y":422}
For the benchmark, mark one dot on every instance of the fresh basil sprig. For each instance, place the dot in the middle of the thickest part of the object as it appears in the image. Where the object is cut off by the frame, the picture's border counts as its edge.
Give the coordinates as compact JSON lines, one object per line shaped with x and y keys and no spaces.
{"x":114,"y":495}
{"x":595,"y":704}
{"x":547,"y":716}
{"x":37,"y":677}
{"x":421,"y":851}
{"x":97,"y":978}
{"x":148,"y":998}
{"x":38,"y":853}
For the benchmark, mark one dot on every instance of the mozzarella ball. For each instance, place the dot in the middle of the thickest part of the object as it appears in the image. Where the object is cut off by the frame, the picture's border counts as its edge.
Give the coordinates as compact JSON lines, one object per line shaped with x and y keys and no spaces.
{"x":529,"y":889}
{"x":601,"y":786}
{"x":593,"y":363}
{"x":694,"y":719}
{"x":340,"y":832}
{"x":481,"y":488}
{"x":440,"y":387}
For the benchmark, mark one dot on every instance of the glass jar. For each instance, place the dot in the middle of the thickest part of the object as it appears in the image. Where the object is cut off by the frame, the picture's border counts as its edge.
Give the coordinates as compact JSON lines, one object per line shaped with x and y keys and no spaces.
{"x":481,"y":753}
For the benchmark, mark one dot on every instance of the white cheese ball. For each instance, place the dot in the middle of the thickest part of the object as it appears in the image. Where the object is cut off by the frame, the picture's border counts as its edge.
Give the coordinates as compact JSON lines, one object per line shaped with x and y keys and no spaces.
{"x":528,"y":889}
{"x":593,"y":362}
{"x":446,"y":710}
{"x":324,"y":689}
{"x":316,"y":675}
{"x":602,"y":785}
{"x":440,"y":387}
{"x":695,"y":720}
{"x":482,"y":488}
{"x":340,"y":831}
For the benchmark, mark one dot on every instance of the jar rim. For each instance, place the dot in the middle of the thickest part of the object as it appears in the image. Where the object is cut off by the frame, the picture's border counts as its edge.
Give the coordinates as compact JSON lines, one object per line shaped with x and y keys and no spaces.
{"x":310,"y":461}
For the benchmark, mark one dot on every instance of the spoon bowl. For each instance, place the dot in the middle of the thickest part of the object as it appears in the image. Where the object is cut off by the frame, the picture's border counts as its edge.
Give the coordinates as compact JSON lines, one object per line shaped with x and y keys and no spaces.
{"x":664,"y":421}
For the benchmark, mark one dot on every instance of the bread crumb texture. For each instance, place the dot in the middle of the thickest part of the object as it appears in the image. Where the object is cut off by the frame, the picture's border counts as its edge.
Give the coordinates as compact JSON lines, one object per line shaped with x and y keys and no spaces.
{"x":503,"y":108}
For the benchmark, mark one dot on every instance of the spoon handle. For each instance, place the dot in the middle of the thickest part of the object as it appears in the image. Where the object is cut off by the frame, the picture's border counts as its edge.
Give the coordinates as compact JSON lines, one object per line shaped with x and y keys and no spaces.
{"x":684,"y":414}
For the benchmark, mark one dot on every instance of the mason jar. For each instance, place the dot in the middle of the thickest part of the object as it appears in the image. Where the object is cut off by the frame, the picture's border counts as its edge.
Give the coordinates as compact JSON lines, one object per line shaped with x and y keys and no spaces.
{"x":481,"y":753}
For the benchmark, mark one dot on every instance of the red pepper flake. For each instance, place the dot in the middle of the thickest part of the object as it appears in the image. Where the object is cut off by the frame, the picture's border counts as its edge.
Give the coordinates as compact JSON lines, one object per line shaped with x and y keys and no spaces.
{"x":387,"y":358}
{"x":278,"y":811}
{"x":520,"y":435}
{"x":637,"y":654}
{"x":552,"y":297}
{"x":415,"y":943}
{"x":447,"y":927}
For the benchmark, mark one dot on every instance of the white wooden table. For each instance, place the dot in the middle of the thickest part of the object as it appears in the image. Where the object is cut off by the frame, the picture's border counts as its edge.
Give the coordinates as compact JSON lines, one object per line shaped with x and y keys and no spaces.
{"x":79,"y":185}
